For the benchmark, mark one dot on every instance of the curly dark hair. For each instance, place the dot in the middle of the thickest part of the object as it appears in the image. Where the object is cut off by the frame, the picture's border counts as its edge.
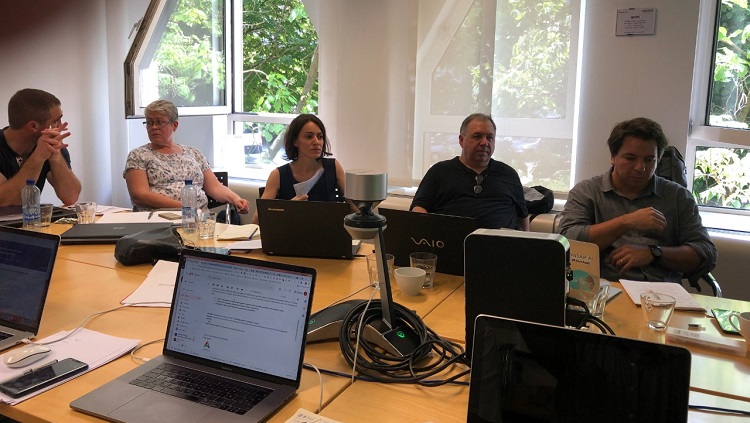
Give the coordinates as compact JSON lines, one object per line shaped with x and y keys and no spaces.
{"x":292,"y":133}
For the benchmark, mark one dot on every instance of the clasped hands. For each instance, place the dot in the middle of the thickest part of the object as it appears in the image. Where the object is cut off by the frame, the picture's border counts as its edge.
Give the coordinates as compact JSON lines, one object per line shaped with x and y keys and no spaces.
{"x":629,"y":256}
{"x":51,"y":140}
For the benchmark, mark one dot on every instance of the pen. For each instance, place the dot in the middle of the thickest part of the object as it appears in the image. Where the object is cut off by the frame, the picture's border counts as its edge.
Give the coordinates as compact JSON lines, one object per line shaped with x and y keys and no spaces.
{"x":253,"y":234}
{"x":150,"y":214}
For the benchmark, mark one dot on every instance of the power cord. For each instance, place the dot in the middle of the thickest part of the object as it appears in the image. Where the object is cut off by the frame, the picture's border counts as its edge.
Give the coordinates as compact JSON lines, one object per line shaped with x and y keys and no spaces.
{"x":586,"y":316}
{"x":379,"y":366}
{"x":139,"y":346}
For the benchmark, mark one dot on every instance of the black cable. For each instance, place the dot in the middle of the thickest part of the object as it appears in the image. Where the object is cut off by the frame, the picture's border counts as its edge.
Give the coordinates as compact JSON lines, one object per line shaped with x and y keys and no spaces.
{"x":432,"y":356}
{"x":588,"y":317}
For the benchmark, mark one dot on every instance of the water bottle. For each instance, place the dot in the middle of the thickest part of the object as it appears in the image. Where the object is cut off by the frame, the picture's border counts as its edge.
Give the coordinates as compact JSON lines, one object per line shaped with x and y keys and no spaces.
{"x":189,"y":197}
{"x":30,"y":199}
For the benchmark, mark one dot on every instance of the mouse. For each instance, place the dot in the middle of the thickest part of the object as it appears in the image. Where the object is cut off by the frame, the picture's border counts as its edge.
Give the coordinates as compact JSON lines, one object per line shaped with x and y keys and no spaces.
{"x":24,"y":356}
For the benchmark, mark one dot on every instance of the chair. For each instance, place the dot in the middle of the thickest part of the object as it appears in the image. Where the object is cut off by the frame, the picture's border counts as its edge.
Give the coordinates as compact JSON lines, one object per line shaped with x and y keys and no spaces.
{"x":672,"y":167}
{"x":221,"y":217}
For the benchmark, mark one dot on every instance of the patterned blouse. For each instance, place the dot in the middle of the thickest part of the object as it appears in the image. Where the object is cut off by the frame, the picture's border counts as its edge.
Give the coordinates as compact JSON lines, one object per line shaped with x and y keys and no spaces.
{"x":167,"y":172}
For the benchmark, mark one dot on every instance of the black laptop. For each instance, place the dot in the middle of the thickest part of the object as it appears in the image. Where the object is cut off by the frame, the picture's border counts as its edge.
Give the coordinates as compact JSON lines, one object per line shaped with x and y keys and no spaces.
{"x":233,"y":347}
{"x":106,"y":233}
{"x":26,"y":262}
{"x":408,"y":232}
{"x":530,"y":372}
{"x":305,"y":229}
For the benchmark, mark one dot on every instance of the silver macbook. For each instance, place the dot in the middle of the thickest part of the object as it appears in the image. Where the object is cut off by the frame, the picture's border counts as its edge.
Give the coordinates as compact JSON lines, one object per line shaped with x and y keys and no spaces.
{"x":441,"y":234}
{"x":531,"y":372}
{"x":106,"y":233}
{"x":233,"y":348}
{"x":305,"y":229}
{"x":26,"y":262}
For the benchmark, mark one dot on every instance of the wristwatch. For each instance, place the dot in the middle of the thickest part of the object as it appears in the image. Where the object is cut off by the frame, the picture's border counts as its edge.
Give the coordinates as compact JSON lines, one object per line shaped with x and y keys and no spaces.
{"x":656,"y":252}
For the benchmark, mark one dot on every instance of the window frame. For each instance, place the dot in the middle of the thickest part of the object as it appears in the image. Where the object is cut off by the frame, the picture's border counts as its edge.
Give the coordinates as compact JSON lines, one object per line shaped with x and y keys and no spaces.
{"x":702,"y":134}
{"x":150,"y":29}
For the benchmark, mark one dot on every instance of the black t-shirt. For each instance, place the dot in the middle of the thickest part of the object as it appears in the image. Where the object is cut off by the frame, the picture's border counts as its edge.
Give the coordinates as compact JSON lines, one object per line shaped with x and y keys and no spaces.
{"x":448,"y":188}
{"x":9,"y":161}
{"x":325,"y":189}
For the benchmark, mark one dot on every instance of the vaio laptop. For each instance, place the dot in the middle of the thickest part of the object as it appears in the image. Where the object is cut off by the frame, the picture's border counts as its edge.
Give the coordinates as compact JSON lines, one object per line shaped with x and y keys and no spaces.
{"x":233,"y":348}
{"x":408,"y":232}
{"x":26,"y":262}
{"x":523,"y":371}
{"x":106,"y":233}
{"x":305,"y":229}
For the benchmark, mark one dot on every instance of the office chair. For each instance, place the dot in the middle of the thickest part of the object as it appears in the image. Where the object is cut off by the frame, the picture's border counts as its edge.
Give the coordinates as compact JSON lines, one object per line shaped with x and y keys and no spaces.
{"x":672,"y":166}
{"x":229,"y":210}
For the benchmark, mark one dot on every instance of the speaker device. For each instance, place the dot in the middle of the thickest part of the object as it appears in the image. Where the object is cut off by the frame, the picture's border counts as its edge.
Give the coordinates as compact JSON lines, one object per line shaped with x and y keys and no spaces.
{"x":514,"y":274}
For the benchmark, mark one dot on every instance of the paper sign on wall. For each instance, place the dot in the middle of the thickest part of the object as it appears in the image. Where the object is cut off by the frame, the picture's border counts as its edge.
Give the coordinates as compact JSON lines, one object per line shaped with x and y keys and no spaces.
{"x":636,"y":21}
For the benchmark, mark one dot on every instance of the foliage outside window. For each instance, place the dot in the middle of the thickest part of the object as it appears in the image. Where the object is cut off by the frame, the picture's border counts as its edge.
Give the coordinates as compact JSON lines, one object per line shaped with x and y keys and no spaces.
{"x":279,"y":69}
{"x":722,"y":174}
{"x":188,"y":65}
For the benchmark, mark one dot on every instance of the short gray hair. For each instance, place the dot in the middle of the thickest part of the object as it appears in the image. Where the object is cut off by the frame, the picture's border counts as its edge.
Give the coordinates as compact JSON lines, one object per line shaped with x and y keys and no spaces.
{"x":163,"y":106}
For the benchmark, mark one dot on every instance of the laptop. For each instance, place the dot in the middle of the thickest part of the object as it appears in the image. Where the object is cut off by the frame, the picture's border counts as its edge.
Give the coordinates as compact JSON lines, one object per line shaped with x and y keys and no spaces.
{"x":106,"y":233}
{"x":305,"y":229}
{"x":12,"y":216}
{"x":26,"y":262}
{"x":523,"y":371}
{"x":441,"y":234}
{"x":235,"y":322}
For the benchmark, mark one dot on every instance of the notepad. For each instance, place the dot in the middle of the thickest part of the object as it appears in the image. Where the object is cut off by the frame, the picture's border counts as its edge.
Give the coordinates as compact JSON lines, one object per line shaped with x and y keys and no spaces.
{"x":239,"y":232}
{"x":685,"y":301}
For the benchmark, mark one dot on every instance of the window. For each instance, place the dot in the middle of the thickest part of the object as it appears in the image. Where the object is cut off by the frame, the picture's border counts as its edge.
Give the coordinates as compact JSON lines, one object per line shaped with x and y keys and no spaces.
{"x":721,"y":143}
{"x":516,"y":59}
{"x":180,"y":54}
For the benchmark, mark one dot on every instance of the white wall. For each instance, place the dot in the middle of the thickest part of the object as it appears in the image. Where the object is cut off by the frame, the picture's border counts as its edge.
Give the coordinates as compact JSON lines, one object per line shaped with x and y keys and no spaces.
{"x":627,"y":77}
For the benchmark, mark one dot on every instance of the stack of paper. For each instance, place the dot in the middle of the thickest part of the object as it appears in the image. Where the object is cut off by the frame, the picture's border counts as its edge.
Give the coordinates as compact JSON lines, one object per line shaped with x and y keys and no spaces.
{"x":93,"y":348}
{"x":685,"y":301}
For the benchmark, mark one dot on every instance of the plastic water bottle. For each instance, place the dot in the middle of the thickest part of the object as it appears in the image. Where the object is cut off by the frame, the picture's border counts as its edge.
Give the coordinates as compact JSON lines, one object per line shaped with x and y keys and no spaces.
{"x":30,"y":200}
{"x":189,"y":197}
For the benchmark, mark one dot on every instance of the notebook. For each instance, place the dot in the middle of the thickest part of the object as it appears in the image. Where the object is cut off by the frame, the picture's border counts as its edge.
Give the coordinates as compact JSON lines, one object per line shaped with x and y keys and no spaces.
{"x":26,"y":262}
{"x":523,"y":371}
{"x":441,"y":234}
{"x":106,"y":233}
{"x":305,"y":229}
{"x":239,"y":320}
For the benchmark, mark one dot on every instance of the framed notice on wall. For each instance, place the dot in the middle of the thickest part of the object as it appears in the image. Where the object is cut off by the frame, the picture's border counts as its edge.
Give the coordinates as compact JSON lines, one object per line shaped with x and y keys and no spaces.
{"x":636,"y":21}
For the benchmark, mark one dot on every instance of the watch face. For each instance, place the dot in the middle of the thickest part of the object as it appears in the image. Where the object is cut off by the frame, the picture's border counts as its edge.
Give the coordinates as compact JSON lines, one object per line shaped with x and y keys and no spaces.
{"x":656,"y":251}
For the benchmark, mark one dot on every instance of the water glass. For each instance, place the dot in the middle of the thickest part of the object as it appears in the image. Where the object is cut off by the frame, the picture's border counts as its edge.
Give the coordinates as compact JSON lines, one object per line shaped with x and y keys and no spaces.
{"x":601,"y":300}
{"x":206,"y":225}
{"x":657,"y":309}
{"x":428,"y":262}
{"x":45,"y":215}
{"x":86,"y":212}
{"x":372,"y":269}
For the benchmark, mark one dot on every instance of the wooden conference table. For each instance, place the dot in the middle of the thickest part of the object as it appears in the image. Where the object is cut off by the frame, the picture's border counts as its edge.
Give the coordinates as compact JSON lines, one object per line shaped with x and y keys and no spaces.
{"x":88,"y":279}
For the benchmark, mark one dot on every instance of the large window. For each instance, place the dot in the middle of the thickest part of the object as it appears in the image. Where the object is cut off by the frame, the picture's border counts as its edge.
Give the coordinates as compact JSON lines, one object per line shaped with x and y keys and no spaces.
{"x":515,"y":59}
{"x":722,"y":141}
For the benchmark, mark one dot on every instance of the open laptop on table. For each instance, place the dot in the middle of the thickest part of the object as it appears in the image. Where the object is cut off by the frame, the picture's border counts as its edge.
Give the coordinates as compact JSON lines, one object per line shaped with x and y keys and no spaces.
{"x":523,"y":371}
{"x":235,"y":322}
{"x":408,"y":232}
{"x":305,"y":229}
{"x":26,"y":262}
{"x":106,"y":233}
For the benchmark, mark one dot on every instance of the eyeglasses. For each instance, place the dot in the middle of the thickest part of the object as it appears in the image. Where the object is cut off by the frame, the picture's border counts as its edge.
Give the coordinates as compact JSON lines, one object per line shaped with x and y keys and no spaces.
{"x":478,"y":186}
{"x":157,"y":123}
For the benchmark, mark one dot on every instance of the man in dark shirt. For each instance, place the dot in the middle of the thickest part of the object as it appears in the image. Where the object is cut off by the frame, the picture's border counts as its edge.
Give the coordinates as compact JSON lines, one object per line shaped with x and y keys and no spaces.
{"x":32,"y":147}
{"x":473,"y":184}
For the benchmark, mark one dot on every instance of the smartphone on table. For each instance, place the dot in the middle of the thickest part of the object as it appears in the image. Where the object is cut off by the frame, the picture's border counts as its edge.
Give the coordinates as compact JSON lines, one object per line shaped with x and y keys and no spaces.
{"x":722,"y":318}
{"x":37,"y":379}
